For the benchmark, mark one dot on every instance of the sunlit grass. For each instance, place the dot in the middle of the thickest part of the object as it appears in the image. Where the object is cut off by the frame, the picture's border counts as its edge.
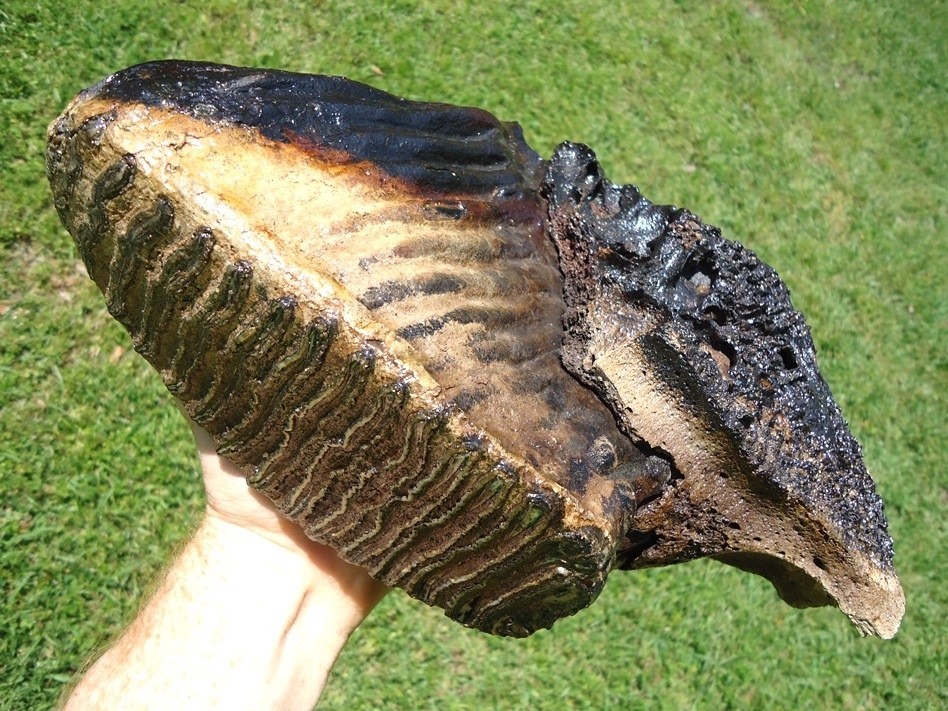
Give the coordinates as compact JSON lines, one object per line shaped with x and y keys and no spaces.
{"x":812,"y":132}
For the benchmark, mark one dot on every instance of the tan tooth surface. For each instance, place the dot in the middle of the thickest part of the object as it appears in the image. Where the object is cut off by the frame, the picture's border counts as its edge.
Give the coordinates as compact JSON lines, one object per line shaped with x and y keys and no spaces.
{"x":208,"y":245}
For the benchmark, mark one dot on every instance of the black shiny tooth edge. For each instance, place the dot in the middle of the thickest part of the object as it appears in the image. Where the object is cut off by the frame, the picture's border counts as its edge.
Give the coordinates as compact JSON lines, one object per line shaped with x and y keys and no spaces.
{"x":436,"y":147}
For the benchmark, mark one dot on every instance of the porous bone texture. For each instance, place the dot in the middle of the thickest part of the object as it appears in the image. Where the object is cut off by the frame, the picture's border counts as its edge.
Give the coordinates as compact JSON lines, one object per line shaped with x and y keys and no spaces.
{"x":695,"y":345}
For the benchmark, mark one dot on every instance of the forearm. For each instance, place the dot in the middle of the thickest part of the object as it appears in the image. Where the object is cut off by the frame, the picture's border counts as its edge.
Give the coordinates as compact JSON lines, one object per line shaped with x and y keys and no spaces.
{"x":239,"y":622}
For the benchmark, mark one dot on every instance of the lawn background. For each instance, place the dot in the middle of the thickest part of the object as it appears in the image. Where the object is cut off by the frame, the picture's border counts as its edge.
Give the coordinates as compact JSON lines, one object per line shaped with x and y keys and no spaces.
{"x":812,"y":132}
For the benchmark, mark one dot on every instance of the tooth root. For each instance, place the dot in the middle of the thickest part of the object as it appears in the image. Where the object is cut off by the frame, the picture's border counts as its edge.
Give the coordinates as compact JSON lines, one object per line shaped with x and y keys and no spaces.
{"x":695,"y":345}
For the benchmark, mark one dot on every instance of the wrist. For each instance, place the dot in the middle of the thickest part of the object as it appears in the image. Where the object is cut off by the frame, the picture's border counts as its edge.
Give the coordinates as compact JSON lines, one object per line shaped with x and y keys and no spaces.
{"x":302,"y":574}
{"x":241,"y":621}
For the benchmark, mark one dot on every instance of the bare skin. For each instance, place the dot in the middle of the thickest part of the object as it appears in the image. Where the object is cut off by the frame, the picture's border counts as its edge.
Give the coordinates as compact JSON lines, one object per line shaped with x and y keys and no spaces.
{"x":252,"y":615}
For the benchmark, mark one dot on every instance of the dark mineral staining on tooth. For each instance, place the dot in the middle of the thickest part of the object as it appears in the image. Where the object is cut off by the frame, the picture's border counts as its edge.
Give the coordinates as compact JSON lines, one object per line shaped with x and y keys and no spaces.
{"x":729,"y":316}
{"x":486,"y":378}
{"x":658,"y":300}
{"x":333,"y":115}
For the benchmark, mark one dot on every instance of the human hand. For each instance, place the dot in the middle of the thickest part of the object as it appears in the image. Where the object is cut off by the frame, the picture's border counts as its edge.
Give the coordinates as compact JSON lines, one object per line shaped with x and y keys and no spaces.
{"x":231,"y":502}
{"x":252,"y":615}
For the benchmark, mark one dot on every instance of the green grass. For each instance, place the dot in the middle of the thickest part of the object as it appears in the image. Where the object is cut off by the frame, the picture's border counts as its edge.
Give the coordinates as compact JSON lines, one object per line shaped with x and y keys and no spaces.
{"x":813,"y":132}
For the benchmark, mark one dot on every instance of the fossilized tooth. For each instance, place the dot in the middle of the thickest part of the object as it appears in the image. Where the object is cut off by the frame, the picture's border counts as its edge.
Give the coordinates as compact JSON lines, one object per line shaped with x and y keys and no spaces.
{"x":362,"y":300}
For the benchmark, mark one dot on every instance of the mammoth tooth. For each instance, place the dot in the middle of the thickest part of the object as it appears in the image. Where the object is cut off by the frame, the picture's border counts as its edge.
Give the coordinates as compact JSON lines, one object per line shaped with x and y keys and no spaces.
{"x":486,"y":378}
